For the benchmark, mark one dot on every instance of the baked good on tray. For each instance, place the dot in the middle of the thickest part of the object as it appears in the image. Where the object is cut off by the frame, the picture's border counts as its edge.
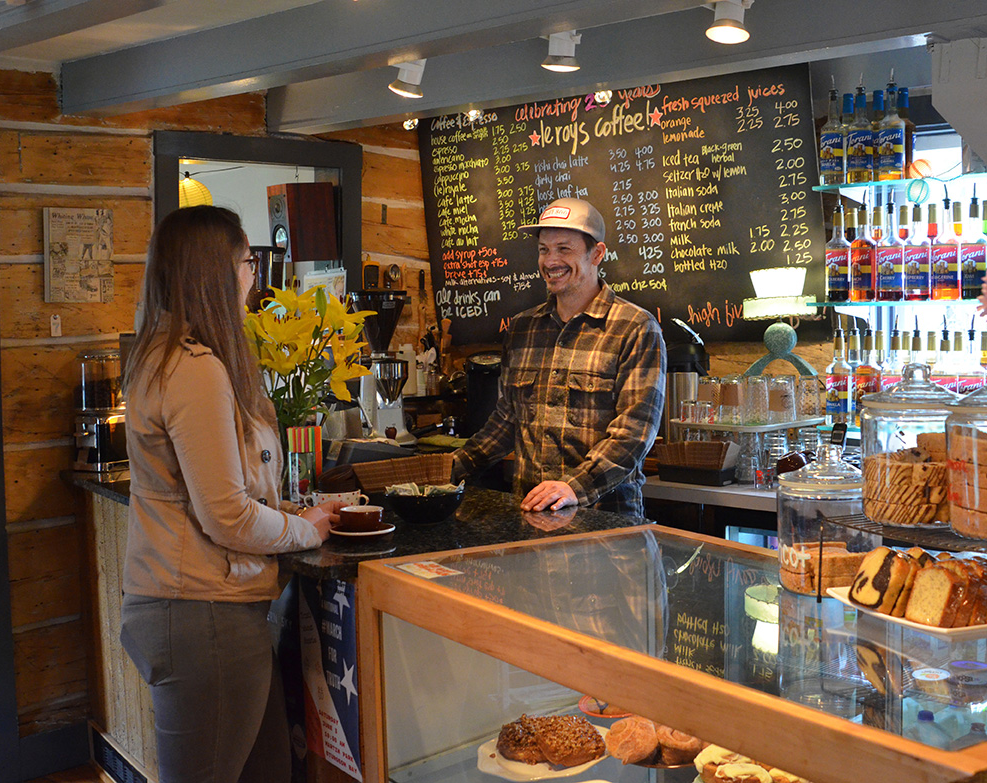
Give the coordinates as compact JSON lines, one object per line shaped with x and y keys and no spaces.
{"x":633,"y":740}
{"x":945,"y":591}
{"x":566,"y":740}
{"x":716,"y":764}
{"x":517,"y":742}
{"x":804,"y":568}
{"x":968,"y":482}
{"x":677,"y":747}
{"x":910,"y":486}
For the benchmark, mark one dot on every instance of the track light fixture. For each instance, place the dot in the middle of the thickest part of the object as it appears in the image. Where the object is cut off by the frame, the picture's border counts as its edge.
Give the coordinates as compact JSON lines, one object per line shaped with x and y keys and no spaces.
{"x":410,"y":124}
{"x":603,"y":97}
{"x":473,"y":115}
{"x":728,"y":21}
{"x":409,"y":79}
{"x":562,"y":52}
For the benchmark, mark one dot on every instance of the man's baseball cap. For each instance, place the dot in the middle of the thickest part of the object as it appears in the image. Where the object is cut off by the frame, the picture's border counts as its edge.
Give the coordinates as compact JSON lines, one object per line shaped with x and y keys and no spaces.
{"x":571,"y":213}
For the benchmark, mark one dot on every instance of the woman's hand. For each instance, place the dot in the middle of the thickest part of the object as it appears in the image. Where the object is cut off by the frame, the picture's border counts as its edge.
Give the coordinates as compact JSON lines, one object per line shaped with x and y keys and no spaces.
{"x":323,"y":516}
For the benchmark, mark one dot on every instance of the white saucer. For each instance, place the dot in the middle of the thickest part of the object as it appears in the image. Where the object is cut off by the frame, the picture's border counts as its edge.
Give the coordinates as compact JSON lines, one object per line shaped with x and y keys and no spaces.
{"x":381,"y":531}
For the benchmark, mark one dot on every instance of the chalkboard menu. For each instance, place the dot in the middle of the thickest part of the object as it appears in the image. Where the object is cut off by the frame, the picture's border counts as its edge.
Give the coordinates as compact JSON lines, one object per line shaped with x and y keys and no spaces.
{"x":699,"y":183}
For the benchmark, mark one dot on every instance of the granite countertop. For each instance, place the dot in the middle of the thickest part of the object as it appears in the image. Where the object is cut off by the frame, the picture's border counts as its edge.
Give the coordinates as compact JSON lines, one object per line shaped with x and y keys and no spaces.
{"x":486,"y":517}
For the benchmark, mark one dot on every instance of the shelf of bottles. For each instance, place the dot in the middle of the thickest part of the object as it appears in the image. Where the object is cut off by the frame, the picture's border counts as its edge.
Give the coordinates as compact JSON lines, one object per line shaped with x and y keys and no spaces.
{"x":906,"y":265}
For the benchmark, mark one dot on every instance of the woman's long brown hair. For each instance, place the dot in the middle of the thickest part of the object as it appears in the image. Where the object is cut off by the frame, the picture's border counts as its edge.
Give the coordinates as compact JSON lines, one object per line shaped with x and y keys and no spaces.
{"x":191,"y":285}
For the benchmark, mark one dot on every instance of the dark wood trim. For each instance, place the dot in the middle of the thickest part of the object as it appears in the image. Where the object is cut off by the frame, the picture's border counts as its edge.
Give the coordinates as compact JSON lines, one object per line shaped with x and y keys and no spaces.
{"x":9,"y":736}
{"x":344,"y":157}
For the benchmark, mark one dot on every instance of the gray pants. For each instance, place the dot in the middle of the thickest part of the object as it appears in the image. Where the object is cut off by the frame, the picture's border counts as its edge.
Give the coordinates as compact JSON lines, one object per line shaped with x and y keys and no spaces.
{"x":218,"y":702}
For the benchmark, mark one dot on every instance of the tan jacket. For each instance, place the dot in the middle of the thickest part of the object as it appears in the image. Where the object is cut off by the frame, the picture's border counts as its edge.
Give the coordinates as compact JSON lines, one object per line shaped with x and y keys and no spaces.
{"x":205,"y":513}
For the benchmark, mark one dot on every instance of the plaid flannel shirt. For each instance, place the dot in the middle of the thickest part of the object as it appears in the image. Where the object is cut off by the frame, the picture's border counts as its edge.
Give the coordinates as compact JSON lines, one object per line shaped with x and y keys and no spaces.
{"x":579,"y":402}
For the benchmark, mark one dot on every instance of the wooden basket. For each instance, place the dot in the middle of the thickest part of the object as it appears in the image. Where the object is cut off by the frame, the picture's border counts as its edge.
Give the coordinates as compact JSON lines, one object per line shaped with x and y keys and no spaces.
{"x":419,"y":468}
{"x":705,"y":455}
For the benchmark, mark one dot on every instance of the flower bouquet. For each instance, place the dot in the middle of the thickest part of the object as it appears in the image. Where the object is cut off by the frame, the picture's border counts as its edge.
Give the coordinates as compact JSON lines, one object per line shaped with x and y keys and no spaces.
{"x":308,"y":347}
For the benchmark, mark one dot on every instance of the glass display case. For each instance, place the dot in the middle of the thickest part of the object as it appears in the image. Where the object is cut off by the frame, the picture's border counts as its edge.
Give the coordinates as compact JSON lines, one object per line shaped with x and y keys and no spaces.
{"x":690,"y":631}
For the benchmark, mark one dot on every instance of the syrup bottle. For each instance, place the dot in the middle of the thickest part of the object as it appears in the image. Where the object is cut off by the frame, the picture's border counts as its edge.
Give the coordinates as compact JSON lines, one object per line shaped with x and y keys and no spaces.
{"x":973,"y":252}
{"x":860,"y":141}
{"x":862,"y":261}
{"x":866,"y":375}
{"x":890,"y":259}
{"x":839,"y":384}
{"x":946,"y":256}
{"x":891,"y":368}
{"x":889,"y":149}
{"x":831,"y":145}
{"x":917,"y":255}
{"x":909,"y":128}
{"x":838,"y":261}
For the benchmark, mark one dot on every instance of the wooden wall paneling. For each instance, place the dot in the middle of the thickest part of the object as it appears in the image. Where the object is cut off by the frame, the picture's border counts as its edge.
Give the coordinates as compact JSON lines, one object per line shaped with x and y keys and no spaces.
{"x":33,"y":97}
{"x":93,"y":578}
{"x":50,"y":663}
{"x":728,"y":358}
{"x":32,"y":486}
{"x":25,"y":315}
{"x":39,"y":389}
{"x":56,"y":714}
{"x":28,"y":97}
{"x":10,"y":158}
{"x":403,"y":234}
{"x":45,"y":574}
{"x":50,"y":157}
{"x":390,"y":177}
{"x":23,"y":221}
{"x":393,"y":136}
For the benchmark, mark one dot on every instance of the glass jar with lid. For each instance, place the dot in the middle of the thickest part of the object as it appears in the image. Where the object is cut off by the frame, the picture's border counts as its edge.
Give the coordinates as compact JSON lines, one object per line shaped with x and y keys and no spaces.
{"x":815,"y":553}
{"x":100,"y":386}
{"x":966,"y":436}
{"x":903,"y":444}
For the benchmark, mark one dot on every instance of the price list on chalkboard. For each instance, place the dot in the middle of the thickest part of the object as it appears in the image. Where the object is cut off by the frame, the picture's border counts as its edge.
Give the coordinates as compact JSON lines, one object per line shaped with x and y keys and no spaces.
{"x":699,"y":183}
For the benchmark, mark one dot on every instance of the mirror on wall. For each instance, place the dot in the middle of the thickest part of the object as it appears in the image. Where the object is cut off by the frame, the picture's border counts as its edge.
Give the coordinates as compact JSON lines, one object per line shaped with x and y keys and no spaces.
{"x":241,"y":167}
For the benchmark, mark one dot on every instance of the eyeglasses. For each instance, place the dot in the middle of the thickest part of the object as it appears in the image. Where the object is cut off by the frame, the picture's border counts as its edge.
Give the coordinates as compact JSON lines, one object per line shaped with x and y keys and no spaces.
{"x":253,"y":261}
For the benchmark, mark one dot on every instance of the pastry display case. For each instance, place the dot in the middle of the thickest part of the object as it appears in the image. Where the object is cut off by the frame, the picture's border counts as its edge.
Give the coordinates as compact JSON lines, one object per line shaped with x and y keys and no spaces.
{"x":692,"y":632}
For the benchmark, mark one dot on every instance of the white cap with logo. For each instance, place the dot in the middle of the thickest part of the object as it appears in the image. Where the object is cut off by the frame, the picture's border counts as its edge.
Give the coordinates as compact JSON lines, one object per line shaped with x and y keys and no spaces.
{"x":572,"y":213}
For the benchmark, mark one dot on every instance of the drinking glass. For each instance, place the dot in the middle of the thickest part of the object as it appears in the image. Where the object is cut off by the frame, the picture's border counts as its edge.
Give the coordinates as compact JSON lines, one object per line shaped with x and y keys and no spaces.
{"x":703,"y":412}
{"x":749,"y":461}
{"x":709,"y":391}
{"x":755,"y":400}
{"x":781,"y":399}
{"x":687,"y":411}
{"x":731,"y":400}
{"x":808,"y":401}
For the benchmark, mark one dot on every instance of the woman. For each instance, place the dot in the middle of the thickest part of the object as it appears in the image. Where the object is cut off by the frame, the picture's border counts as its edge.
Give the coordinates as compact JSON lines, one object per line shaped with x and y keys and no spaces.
{"x":206,"y":517}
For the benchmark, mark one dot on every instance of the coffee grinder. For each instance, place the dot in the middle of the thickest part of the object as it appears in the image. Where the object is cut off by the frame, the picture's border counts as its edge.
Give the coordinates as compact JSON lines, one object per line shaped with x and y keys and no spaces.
{"x":390,"y":373}
{"x":100,"y":430}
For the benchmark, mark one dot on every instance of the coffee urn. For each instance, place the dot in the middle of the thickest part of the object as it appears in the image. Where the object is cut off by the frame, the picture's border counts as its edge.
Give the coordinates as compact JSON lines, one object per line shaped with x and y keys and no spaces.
{"x":100,"y":433}
{"x":687,"y":362}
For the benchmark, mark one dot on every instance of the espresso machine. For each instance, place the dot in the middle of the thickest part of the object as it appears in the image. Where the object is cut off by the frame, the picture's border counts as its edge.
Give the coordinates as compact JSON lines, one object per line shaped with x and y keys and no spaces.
{"x":386,"y":409}
{"x":100,"y":429}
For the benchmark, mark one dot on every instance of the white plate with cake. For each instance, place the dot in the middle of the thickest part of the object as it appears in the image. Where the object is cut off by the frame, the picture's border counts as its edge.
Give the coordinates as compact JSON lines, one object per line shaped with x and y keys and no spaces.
{"x":573,"y":742}
{"x":841,"y":594}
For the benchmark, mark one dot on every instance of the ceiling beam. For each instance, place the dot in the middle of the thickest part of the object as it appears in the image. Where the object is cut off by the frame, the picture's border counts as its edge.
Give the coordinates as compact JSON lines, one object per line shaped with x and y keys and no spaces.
{"x":659,"y":49}
{"x":39,"y":20}
{"x":317,"y":40}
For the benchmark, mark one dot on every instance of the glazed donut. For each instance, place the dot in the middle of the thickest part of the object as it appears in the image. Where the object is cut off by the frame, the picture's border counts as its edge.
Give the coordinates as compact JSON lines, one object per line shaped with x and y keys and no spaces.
{"x":677,"y":747}
{"x":741,"y":773}
{"x":632,"y":739}
{"x":712,"y":757}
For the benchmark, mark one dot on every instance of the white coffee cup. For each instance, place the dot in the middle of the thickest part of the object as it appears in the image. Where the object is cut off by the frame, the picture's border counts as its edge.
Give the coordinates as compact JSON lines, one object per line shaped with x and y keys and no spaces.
{"x":354,"y":498}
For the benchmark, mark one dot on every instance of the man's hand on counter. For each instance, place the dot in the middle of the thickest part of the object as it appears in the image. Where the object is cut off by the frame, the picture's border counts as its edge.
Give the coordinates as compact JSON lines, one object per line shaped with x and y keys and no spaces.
{"x":549,"y":495}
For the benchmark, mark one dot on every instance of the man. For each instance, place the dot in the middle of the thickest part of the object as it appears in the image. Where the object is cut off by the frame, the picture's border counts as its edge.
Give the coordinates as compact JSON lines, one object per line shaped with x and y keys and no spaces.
{"x":583,"y":380}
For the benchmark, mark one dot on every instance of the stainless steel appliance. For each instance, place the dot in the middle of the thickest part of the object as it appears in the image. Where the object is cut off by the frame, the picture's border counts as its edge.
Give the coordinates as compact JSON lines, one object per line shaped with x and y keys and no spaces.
{"x":100,"y":433}
{"x":390,"y":373}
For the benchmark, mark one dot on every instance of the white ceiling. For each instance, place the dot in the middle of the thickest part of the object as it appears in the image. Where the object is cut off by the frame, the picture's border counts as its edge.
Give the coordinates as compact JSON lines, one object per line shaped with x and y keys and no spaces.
{"x":326,"y":64}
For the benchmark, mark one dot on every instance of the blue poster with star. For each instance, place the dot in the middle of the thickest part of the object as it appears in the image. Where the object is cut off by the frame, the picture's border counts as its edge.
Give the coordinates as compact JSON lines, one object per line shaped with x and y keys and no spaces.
{"x":327,"y":626}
